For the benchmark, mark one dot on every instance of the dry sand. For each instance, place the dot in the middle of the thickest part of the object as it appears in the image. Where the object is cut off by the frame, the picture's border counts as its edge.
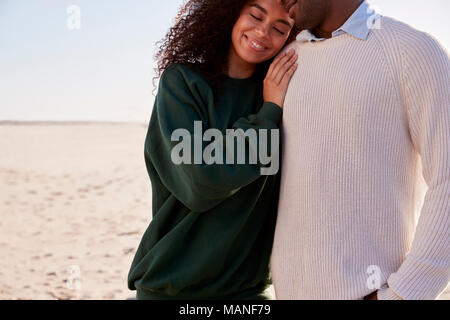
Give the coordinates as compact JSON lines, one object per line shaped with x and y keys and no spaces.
{"x":75,"y":200}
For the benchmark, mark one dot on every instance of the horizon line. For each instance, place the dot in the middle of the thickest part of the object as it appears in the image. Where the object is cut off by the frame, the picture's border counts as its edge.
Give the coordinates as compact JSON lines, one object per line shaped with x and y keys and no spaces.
{"x":68,"y":122}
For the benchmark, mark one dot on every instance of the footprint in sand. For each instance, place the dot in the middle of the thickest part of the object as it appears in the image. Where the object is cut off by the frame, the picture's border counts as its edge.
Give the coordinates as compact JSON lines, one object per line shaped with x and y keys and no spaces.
{"x":128,"y":251}
{"x":110,"y":296}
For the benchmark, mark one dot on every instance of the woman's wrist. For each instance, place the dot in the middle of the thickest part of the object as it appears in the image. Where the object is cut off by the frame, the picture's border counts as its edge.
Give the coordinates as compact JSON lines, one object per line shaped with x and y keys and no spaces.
{"x":275,"y":101}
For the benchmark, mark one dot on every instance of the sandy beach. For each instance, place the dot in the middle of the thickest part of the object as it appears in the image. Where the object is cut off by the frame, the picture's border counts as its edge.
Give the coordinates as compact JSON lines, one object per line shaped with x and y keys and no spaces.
{"x":75,"y":199}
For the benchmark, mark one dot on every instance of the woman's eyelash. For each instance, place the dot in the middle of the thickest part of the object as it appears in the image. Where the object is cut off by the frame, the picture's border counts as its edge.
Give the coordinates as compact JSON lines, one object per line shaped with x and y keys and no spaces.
{"x":259,"y":19}
{"x":281,"y":32}
{"x":255,"y":17}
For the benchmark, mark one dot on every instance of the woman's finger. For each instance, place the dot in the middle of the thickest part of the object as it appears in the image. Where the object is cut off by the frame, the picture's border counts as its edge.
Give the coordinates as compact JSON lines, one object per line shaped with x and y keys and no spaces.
{"x":288,"y":75}
{"x":280,"y":67}
{"x":275,"y":65}
{"x":284,"y":68}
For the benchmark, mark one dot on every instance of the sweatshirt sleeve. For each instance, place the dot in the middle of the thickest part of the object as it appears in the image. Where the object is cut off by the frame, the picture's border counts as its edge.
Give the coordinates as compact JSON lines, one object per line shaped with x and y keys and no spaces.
{"x":425,"y":272}
{"x":182,"y":107}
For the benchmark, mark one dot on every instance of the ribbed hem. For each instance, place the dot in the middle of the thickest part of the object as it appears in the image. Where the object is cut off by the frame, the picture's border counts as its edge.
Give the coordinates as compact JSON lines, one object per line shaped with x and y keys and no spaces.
{"x":271,"y":111}
{"x":251,"y":294}
{"x":386,"y":293}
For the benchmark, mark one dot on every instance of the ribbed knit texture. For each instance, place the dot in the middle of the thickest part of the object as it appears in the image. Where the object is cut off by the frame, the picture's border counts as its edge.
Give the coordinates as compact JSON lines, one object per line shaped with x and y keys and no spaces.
{"x":357,"y":117}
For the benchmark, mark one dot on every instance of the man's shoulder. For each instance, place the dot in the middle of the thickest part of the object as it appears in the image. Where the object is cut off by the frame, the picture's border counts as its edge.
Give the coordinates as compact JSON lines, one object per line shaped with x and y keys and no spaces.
{"x":293,"y":45}
{"x":410,"y":50}
{"x":409,"y":37}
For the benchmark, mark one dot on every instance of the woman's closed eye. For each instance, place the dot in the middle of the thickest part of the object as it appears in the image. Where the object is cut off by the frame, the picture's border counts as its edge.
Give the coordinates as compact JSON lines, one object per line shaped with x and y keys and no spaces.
{"x":255,"y":17}
{"x":281,"y":32}
{"x":260,"y":19}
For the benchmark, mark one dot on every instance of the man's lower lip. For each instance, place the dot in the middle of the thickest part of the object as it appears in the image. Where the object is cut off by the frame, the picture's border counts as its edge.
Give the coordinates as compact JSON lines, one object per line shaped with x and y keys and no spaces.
{"x":290,"y":5}
{"x":291,"y":11}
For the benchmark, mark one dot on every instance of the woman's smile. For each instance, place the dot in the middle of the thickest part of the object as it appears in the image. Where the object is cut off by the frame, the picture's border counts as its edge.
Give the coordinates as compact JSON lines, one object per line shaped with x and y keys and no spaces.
{"x":255,"y":44}
{"x":258,"y":35}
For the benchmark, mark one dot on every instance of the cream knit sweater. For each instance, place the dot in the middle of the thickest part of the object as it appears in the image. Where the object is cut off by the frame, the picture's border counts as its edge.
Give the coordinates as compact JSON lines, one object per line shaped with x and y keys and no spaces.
{"x":359,"y":117}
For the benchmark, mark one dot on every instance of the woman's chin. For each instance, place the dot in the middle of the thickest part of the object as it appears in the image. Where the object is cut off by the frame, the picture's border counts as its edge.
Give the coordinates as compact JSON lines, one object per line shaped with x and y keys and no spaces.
{"x":256,"y":60}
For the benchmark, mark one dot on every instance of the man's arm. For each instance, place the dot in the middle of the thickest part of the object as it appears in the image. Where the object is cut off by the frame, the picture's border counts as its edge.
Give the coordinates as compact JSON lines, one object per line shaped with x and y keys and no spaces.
{"x":425,"y":273}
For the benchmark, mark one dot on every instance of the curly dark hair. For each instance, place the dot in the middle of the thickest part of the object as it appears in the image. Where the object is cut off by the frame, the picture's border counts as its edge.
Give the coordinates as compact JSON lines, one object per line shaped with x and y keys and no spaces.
{"x":201,"y":37}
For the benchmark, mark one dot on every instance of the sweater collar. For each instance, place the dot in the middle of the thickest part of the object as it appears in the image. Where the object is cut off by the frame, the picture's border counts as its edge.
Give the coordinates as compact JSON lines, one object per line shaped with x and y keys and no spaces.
{"x":359,"y":25}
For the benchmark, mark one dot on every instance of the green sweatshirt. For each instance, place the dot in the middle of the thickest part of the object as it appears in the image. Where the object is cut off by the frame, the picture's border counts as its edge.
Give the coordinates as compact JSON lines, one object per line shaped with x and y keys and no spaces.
{"x":213,"y":224}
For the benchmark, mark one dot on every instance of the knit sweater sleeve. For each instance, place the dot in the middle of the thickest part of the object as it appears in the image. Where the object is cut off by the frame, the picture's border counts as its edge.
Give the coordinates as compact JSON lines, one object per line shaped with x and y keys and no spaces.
{"x":184,"y":98}
{"x":425,"y":272}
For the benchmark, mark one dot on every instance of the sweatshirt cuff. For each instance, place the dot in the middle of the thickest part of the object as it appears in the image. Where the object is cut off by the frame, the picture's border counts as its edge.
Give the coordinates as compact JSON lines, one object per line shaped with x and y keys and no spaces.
{"x":271,"y":111}
{"x":386,"y":293}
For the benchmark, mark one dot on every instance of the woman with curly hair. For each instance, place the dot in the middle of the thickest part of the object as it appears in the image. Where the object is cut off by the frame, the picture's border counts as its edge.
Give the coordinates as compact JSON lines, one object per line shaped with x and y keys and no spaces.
{"x":213,"y":221}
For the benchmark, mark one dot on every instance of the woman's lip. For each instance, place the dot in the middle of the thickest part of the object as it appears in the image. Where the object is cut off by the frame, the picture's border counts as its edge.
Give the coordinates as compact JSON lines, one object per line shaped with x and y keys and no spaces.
{"x":255,"y":44}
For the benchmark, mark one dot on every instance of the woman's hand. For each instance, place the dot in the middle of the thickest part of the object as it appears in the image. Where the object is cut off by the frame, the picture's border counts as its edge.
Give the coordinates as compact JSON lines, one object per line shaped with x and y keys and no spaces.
{"x":278,"y":77}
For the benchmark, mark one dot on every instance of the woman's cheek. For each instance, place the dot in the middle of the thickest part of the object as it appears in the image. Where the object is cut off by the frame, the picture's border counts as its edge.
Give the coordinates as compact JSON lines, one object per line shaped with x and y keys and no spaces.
{"x":280,"y":44}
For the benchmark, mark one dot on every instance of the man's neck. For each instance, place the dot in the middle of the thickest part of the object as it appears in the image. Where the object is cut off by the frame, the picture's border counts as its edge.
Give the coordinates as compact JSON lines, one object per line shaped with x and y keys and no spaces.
{"x":340,"y":12}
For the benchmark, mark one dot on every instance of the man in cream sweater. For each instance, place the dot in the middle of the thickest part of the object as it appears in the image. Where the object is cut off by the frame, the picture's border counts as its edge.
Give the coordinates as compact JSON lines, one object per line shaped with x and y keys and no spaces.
{"x":367,"y":111}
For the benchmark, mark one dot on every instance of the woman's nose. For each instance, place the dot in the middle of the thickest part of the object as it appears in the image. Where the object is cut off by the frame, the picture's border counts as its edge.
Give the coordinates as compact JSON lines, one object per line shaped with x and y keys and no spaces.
{"x":262,"y":30}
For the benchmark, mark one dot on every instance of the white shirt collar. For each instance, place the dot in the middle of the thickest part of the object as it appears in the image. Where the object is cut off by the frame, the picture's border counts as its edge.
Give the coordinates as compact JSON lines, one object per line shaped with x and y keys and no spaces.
{"x":359,"y":25}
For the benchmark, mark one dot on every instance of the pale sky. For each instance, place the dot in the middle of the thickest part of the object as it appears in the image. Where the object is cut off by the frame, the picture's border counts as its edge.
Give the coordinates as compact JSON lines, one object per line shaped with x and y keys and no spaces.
{"x":103,"y":71}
